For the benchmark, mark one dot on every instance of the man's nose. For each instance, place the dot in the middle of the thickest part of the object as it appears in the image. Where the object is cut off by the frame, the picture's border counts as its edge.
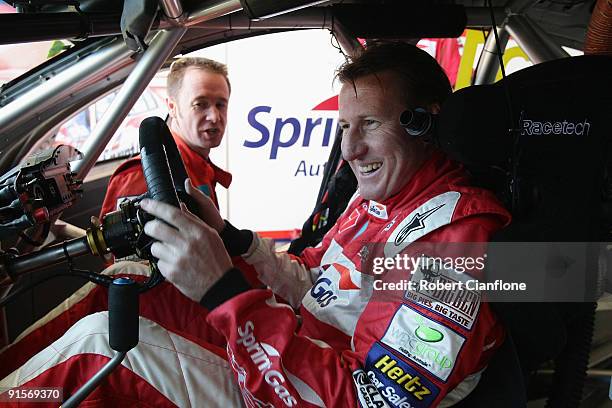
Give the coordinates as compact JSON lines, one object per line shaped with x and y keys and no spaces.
{"x":213,"y":114}
{"x":352,"y":146}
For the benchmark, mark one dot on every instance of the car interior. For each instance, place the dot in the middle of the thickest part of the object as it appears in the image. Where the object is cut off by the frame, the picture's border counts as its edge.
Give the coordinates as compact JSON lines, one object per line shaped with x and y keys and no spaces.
{"x":538,"y":138}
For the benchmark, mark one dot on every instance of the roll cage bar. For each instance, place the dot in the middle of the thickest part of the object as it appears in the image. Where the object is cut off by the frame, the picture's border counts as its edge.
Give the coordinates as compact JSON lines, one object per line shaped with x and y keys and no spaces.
{"x":39,"y":100}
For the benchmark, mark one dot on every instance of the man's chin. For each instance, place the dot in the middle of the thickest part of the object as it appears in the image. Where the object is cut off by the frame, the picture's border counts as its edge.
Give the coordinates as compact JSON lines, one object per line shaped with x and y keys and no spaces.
{"x":210,"y":143}
{"x":370,"y":194}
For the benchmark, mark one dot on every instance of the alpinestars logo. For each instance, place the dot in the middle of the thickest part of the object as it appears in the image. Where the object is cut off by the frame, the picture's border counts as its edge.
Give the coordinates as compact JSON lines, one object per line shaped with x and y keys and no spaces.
{"x":415,"y":224}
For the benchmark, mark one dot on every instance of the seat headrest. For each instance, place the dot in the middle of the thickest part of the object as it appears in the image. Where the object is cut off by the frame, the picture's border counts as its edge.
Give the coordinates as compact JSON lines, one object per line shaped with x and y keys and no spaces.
{"x":558,"y":105}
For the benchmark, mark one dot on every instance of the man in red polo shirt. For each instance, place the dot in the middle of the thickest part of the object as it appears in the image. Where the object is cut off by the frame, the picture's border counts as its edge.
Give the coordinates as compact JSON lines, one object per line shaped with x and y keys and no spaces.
{"x":198,"y":95}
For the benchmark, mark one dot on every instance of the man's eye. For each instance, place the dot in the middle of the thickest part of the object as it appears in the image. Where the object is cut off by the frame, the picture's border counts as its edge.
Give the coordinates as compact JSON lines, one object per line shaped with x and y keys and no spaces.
{"x":370,"y":123}
{"x":344,"y":127}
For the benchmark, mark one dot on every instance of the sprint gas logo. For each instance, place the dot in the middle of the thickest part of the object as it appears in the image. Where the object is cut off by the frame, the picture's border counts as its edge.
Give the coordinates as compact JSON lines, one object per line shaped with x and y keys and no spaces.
{"x":278,"y":134}
{"x":261,"y":354}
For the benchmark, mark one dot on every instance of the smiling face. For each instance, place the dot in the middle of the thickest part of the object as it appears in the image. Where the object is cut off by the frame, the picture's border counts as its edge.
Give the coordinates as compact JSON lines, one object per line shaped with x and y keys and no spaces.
{"x":199,"y":110}
{"x":380,"y":152}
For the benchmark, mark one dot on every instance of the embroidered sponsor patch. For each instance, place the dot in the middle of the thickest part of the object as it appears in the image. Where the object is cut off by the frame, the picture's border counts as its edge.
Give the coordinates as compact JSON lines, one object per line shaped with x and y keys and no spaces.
{"x":460,"y":306}
{"x":341,"y":292}
{"x":433,"y":214}
{"x":378,"y":210}
{"x":399,"y":384}
{"x":391,"y":224}
{"x":367,"y":393}
{"x":424,"y":341}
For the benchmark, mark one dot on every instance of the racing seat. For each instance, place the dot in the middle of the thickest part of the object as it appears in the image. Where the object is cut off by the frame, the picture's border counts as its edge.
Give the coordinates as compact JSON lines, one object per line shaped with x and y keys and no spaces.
{"x":540,"y":140}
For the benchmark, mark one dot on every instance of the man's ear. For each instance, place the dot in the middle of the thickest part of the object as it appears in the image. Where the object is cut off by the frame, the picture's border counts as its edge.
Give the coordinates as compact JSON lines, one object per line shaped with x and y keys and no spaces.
{"x":434,"y":108}
{"x":172,"y":108}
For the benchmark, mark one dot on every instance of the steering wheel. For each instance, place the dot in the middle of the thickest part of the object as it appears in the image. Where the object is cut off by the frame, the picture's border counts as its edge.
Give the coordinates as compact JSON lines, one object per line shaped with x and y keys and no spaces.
{"x":162,"y":166}
{"x":164,"y":173}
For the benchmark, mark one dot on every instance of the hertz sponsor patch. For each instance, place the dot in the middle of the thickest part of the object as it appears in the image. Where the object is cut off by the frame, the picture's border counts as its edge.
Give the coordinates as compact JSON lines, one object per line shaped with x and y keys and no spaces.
{"x":399,"y":384}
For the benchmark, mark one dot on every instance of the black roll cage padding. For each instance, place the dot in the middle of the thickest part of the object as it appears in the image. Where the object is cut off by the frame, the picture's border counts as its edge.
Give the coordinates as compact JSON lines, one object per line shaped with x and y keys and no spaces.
{"x":136,"y":21}
{"x":49,"y":26}
{"x":402,"y":19}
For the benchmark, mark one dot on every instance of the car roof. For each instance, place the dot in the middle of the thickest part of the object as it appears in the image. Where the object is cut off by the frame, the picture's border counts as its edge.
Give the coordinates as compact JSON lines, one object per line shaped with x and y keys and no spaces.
{"x":349,"y":20}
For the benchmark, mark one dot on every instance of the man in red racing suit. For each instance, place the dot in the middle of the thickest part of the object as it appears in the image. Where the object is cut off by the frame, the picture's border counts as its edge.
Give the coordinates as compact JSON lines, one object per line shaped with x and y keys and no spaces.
{"x":352,"y":344}
{"x":128,"y":180}
{"x":198,"y":94}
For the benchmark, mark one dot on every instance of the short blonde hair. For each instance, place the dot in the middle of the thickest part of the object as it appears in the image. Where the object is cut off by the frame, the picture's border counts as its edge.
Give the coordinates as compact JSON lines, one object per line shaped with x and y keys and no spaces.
{"x":178,"y":68}
{"x":423,"y":79}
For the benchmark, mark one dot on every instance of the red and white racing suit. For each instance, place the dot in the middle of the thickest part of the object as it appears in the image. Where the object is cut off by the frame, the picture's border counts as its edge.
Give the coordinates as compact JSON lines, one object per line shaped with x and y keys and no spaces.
{"x":128,"y":180}
{"x":351,"y":346}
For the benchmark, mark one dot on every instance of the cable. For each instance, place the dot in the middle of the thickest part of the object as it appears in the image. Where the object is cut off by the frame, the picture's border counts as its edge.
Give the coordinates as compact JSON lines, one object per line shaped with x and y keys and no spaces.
{"x":154,"y":279}
{"x":494,"y":28}
{"x":516,"y":151}
{"x":87,"y":275}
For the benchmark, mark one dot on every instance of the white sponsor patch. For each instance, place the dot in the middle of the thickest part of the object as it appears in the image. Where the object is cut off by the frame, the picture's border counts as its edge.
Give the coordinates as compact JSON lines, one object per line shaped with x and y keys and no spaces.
{"x":459,"y":306}
{"x":424,"y":341}
{"x":433,"y":214}
{"x":378,"y":210}
{"x":341,"y":292}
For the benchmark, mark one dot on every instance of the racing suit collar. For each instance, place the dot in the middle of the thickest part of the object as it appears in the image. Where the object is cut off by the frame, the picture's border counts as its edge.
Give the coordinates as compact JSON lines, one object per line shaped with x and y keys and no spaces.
{"x":220,"y":176}
{"x":437,"y":166}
